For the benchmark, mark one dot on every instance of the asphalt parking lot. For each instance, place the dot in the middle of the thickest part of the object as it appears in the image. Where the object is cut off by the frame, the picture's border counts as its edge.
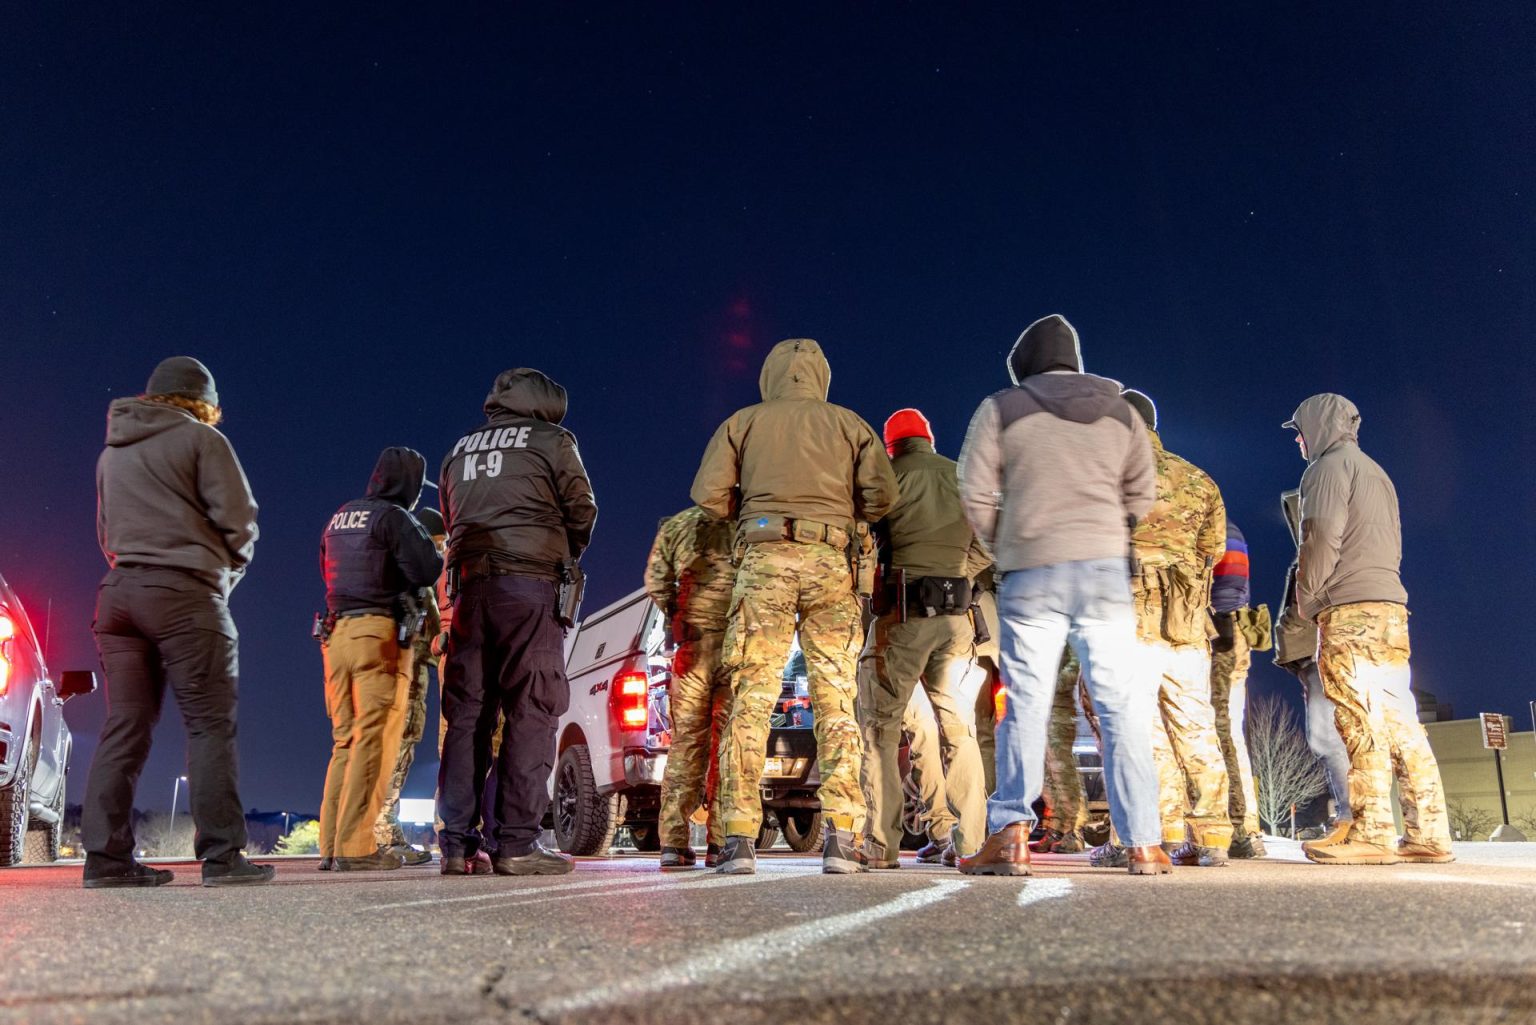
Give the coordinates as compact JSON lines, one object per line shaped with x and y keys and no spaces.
{"x":617,"y":941}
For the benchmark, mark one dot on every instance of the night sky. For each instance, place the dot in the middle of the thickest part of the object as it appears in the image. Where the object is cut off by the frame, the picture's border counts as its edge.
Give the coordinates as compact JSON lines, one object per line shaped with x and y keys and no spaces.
{"x":356,"y":222}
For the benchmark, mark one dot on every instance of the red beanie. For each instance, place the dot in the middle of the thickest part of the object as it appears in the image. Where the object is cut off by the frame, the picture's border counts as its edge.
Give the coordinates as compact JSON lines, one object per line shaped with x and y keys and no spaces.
{"x":906,"y":423}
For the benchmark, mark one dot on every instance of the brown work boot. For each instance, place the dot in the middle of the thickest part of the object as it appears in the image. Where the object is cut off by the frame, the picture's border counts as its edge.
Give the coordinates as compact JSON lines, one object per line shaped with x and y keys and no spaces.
{"x":1423,"y":853}
{"x":1350,"y":852}
{"x":1150,"y":860}
{"x":1337,"y":833}
{"x":1005,"y":853}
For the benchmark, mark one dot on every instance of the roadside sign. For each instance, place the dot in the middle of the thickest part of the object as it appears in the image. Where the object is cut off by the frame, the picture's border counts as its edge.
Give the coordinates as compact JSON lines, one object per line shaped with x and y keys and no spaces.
{"x":1495,"y":734}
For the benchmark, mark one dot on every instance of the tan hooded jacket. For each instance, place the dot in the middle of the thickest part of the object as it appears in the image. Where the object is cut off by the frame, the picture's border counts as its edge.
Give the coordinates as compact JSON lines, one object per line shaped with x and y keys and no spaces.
{"x":1351,"y":536}
{"x":795,"y":454}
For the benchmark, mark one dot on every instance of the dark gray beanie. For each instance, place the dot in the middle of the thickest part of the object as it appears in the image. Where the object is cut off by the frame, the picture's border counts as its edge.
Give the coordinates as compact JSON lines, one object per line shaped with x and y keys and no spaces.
{"x":184,"y":376}
{"x":431,"y":521}
{"x":1142,"y":404}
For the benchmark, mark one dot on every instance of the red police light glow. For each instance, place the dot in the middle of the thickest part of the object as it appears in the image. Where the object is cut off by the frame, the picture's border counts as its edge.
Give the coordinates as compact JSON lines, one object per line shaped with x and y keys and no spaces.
{"x":629,"y":694}
{"x":999,"y":700}
{"x":7,"y":631}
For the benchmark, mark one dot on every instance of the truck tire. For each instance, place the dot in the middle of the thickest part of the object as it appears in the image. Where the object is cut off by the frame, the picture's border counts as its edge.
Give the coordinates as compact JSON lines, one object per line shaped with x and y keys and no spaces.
{"x":41,"y":844}
{"x":802,"y":829}
{"x":14,"y":813}
{"x":767,"y":835}
{"x":585,"y":820}
{"x":647,"y":836}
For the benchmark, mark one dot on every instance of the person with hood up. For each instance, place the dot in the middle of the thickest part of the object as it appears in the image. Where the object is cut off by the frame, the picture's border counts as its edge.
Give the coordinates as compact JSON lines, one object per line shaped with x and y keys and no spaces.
{"x":409,"y":723}
{"x":802,"y":479}
{"x":374,"y":556}
{"x":1348,"y":582}
{"x":1053,"y":472}
{"x":177,"y":523}
{"x":518,"y":505}
{"x":923,"y":636}
{"x":1177,"y":544}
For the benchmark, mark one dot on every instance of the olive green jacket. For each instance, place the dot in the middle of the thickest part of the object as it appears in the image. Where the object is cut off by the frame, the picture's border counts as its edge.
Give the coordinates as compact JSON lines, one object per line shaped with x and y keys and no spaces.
{"x":927,"y":532}
{"x":795,"y":454}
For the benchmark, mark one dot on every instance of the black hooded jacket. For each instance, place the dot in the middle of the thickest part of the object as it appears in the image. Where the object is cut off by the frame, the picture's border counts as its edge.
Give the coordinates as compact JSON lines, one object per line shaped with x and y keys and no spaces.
{"x":373,"y":550}
{"x":514,"y":489}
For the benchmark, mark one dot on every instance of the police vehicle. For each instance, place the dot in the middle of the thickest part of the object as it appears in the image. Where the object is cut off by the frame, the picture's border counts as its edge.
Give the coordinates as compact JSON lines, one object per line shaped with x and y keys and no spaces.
{"x":612,"y":742}
{"x":34,"y":740}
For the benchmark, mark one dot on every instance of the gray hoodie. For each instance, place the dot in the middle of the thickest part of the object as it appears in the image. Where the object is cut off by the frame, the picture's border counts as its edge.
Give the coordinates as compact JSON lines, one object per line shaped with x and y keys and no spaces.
{"x":1351,"y":536}
{"x":170,"y":492}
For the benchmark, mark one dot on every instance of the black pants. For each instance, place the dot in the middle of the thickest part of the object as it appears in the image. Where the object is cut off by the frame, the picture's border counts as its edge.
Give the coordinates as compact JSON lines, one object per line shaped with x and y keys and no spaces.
{"x":504,"y":651}
{"x":159,"y":627}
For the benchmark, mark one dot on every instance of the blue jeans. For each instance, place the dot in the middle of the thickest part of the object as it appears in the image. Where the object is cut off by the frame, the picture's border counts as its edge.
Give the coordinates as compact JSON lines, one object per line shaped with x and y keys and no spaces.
{"x":1324,"y":740}
{"x":1088,"y":605}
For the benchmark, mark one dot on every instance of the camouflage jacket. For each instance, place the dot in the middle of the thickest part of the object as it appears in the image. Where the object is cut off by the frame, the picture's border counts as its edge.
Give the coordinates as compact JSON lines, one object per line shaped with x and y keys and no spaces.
{"x":689,"y":573}
{"x":1177,"y":544}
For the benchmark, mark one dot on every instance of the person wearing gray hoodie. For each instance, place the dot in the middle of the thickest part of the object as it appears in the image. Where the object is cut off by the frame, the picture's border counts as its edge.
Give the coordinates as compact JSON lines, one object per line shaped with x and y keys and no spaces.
{"x":1347,"y":581}
{"x":177,"y":524}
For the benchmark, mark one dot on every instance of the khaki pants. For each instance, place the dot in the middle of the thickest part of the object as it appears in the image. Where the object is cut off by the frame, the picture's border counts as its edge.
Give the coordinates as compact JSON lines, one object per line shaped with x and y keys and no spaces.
{"x":934,"y":651}
{"x":1229,"y":700}
{"x":701,"y":706}
{"x":366,"y":675}
{"x":1362,"y":656}
{"x":986,"y":722}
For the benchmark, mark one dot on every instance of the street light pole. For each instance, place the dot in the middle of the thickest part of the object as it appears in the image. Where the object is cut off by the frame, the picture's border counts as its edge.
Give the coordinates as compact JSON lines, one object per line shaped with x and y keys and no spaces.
{"x":175,"y":799}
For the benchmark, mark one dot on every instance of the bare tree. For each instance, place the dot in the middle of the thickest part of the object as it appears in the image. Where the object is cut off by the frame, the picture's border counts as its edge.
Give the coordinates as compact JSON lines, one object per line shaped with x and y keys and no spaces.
{"x":1469,"y":821}
{"x":1284,"y":768}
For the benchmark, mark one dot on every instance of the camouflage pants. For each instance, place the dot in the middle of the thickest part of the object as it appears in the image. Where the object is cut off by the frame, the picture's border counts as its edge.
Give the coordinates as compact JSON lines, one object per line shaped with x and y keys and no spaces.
{"x":1362,"y":656}
{"x":935,"y":652}
{"x":407,"y":723}
{"x":782,"y":587}
{"x":1229,"y":698}
{"x":1193,"y":793}
{"x":700,"y":704}
{"x":1066,"y":809}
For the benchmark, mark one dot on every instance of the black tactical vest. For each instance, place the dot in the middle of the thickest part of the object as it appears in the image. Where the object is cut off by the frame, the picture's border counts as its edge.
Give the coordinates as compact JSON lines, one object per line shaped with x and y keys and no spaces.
{"x":360,"y":572}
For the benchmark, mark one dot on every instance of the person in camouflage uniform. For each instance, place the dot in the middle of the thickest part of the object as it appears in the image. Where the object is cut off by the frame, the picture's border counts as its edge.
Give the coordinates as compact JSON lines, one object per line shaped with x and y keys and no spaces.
{"x":1176,"y":546}
{"x":1237,"y":628}
{"x":689,"y":577}
{"x":1066,"y":806}
{"x":1348,"y":581}
{"x":802,"y":478}
{"x":408,"y":718}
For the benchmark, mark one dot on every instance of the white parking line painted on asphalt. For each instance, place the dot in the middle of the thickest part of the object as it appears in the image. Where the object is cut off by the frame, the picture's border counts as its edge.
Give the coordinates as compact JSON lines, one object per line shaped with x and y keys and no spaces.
{"x":1436,"y":877}
{"x":1037,"y":890}
{"x":729,"y":957}
{"x":710,"y":883}
{"x":608,"y":881}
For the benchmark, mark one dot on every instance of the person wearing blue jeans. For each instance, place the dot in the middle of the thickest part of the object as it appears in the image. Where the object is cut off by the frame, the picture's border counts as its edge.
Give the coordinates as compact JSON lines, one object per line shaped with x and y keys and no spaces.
{"x":1324,"y":739}
{"x":1054,"y":473}
{"x":1085,"y":604}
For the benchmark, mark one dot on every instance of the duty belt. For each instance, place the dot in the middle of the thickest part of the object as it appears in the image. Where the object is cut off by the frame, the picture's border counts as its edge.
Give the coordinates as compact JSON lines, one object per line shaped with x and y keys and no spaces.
{"x":782,"y":528}
{"x":365,"y":612}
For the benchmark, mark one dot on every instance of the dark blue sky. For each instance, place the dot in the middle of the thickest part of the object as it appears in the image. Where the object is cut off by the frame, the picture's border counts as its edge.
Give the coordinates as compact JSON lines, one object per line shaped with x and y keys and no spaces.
{"x":357,"y":222}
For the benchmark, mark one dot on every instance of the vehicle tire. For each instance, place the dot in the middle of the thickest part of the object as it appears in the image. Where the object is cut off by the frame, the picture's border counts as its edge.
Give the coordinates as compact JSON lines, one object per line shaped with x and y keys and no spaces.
{"x":14,"y":814}
{"x":802,"y":829}
{"x":585,"y":820}
{"x":647,"y":836}
{"x":1096,"y":831}
{"x":41,"y":844}
{"x":913,"y":833}
{"x":767,"y":834}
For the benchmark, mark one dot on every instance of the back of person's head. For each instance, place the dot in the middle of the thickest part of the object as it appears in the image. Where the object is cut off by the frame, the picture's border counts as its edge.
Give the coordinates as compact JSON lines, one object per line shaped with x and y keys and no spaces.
{"x":1142,"y":403}
{"x":185,"y":383}
{"x":904,"y":424}
{"x":1048,"y":344}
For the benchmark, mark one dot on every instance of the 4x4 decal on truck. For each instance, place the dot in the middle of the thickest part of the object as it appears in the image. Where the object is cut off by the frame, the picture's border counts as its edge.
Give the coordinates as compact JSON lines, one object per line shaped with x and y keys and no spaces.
{"x":598,"y":688}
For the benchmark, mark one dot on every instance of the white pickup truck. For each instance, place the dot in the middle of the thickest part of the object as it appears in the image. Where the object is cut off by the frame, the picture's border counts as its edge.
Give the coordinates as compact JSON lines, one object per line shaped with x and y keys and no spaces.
{"x":612,"y":742}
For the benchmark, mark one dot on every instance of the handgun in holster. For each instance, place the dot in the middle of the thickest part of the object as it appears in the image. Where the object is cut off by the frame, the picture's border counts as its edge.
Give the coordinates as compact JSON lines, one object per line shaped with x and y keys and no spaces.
{"x":568,"y":593}
{"x":324,"y":624}
{"x":978,"y":621}
{"x":413,"y":616}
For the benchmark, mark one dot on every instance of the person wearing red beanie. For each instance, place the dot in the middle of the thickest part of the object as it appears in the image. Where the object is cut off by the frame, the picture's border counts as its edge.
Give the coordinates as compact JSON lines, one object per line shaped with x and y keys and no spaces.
{"x":906,"y":423}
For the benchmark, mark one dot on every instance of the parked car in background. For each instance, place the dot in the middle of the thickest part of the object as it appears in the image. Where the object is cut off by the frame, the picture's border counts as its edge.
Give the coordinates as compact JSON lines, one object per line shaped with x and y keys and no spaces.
{"x":34,"y":740}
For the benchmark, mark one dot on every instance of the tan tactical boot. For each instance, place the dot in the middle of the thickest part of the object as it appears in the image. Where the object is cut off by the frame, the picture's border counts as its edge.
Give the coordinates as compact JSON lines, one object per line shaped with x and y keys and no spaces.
{"x":1423,"y":853}
{"x":1351,"y":852}
{"x":1147,"y":861}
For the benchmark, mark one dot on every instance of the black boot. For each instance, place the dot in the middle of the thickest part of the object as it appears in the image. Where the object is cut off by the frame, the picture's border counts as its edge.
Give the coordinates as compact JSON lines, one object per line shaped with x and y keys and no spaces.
{"x":541,"y":861}
{"x":675,"y":858}
{"x":237,"y":872}
{"x":101,"y":875}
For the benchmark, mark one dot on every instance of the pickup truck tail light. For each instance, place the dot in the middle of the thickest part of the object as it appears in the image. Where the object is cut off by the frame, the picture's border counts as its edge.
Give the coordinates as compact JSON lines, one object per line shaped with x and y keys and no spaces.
{"x":7,"y":631}
{"x":628,"y":697}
